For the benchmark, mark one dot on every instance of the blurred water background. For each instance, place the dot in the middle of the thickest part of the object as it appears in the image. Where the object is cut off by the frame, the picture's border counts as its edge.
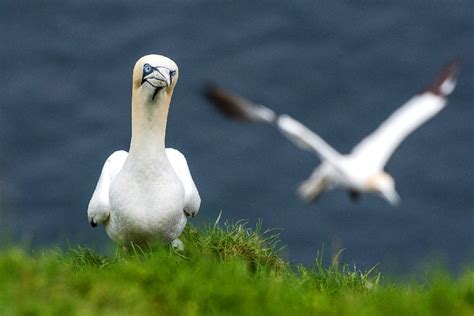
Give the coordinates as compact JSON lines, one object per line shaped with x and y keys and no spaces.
{"x":339,"y":67}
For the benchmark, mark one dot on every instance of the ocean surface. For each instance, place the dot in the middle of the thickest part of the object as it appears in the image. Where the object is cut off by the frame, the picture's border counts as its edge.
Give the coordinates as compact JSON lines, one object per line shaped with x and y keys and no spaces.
{"x":341,"y":68}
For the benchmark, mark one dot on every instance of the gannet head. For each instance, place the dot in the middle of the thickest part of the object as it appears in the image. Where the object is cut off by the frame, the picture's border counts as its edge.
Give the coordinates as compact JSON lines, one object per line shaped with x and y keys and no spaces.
{"x":383,"y":184}
{"x":154,"y":76}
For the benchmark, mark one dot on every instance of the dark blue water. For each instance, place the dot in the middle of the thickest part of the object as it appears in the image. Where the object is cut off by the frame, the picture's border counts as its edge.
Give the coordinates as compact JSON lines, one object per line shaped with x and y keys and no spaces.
{"x":65,"y":74}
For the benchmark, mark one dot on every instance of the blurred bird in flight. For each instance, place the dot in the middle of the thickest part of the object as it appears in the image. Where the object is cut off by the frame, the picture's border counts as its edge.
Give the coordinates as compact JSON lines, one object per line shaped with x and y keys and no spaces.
{"x":362,"y":170}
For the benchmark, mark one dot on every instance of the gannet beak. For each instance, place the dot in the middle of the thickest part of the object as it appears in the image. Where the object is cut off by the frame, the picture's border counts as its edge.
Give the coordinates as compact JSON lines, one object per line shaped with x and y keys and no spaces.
{"x":391,"y":196}
{"x":159,"y":78}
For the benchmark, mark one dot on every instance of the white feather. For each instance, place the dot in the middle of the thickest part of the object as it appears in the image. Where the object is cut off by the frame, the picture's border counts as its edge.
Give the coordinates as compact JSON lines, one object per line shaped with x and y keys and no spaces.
{"x":141,"y":196}
{"x":362,"y":169}
{"x":99,"y":205}
{"x":306,"y":139}
{"x":192,"y":200}
{"x":376,"y":149}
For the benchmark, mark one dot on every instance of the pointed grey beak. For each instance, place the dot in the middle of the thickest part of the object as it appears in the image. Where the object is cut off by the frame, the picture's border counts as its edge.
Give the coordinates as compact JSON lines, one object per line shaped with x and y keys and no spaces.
{"x":165,"y":72}
{"x":159,"y":78}
{"x":391,"y":196}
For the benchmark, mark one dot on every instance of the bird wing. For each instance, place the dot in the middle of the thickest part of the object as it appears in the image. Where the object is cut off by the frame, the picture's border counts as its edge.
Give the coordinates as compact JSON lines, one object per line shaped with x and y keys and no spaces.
{"x":240,"y":108}
{"x":306,"y":139}
{"x":192,"y":200}
{"x":99,"y":205}
{"x":376,"y":149}
{"x":237,"y":107}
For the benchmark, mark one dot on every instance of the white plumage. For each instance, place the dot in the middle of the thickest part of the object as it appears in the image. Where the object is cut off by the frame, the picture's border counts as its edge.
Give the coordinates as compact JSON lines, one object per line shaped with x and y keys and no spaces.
{"x":148,"y":193}
{"x":377,"y":148}
{"x":362,"y":169}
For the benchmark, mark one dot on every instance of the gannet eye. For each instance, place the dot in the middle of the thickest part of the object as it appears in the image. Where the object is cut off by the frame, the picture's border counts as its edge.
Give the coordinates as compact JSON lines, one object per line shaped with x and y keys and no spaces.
{"x":147,"y":69}
{"x":172,"y":73}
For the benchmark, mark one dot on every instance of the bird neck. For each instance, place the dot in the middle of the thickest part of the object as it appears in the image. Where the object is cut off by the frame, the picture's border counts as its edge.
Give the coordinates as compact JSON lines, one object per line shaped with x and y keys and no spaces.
{"x":149,"y":118}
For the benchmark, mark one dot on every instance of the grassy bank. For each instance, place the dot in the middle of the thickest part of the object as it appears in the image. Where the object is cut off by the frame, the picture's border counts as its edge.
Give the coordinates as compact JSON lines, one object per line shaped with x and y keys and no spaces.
{"x":225,"y":270}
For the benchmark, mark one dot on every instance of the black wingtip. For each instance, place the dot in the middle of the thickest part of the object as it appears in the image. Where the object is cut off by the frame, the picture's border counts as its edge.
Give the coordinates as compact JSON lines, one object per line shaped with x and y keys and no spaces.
{"x":225,"y":102}
{"x":446,"y":81}
{"x":93,"y":224}
{"x":208,"y":89}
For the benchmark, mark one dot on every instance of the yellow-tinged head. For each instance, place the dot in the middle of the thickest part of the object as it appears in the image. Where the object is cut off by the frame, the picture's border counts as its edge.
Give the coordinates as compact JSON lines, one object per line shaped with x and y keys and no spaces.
{"x":154,"y":76}
{"x":384,"y":184}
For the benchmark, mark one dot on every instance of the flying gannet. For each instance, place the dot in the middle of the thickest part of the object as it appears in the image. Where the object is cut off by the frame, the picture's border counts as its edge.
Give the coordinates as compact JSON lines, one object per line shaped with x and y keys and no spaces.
{"x":147,"y":193}
{"x":362,"y":169}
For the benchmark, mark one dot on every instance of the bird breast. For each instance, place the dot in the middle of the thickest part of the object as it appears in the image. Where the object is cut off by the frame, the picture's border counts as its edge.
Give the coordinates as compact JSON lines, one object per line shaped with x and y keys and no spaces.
{"x":352,"y":173}
{"x":146,"y":203}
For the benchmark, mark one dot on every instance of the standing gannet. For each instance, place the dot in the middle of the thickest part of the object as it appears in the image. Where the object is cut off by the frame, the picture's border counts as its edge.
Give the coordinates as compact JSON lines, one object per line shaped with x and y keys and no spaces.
{"x":147,"y":193}
{"x":362,"y":169}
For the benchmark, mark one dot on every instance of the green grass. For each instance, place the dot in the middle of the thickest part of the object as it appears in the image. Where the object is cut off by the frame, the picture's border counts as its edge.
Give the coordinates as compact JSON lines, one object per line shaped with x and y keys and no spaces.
{"x":225,"y":270}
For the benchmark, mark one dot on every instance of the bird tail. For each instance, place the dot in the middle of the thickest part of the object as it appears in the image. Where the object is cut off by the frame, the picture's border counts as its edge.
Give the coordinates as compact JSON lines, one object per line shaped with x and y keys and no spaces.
{"x":312,"y":188}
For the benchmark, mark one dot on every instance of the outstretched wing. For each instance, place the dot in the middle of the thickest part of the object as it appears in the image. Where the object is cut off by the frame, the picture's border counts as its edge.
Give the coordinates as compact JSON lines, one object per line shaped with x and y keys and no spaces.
{"x":306,"y":139}
{"x":240,"y":108}
{"x":192,"y":200}
{"x":99,"y":205}
{"x":377,"y":148}
{"x":237,"y":107}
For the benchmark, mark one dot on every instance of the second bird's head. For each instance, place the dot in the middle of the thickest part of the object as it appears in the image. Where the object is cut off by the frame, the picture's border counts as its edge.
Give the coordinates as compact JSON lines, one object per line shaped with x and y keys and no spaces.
{"x":383,"y":184}
{"x":154,"y":76}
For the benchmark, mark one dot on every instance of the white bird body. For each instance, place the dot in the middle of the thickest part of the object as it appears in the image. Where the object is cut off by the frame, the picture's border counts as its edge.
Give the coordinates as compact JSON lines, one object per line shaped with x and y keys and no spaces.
{"x":362,"y":169}
{"x":147,"y":199}
{"x":146,"y":194}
